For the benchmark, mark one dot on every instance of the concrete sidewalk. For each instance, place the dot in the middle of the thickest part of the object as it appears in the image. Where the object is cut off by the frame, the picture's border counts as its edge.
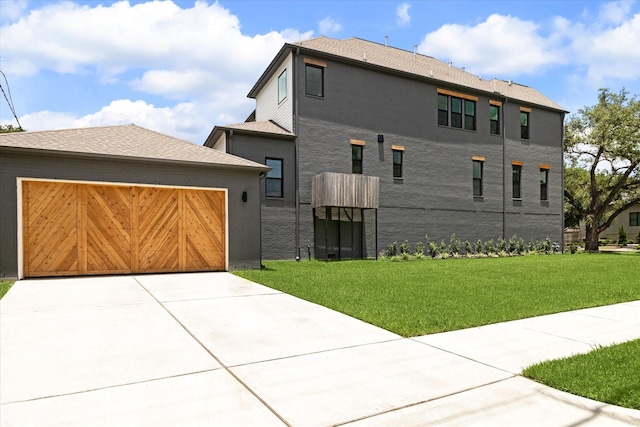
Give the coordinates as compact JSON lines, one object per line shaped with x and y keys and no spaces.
{"x":214,"y":349}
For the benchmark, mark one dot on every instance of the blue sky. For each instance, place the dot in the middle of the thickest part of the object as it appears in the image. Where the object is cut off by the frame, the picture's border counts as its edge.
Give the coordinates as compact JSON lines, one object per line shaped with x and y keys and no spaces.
{"x":182,"y":67}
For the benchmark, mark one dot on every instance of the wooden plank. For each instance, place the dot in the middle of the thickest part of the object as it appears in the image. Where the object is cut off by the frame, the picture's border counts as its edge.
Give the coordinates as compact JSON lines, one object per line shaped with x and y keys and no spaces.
{"x":205,"y":228}
{"x":315,"y":62}
{"x":135,"y":239}
{"x":26,"y":264}
{"x":82,"y":229}
{"x":457,"y":94}
{"x":478,"y":158}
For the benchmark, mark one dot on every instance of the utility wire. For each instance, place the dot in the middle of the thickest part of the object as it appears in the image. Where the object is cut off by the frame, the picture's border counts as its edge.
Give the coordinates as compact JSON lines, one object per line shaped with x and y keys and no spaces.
{"x":9,"y":99}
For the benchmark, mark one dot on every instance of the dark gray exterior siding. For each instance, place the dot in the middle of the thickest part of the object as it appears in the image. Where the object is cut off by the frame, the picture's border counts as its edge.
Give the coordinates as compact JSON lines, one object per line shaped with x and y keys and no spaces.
{"x":243,"y":218}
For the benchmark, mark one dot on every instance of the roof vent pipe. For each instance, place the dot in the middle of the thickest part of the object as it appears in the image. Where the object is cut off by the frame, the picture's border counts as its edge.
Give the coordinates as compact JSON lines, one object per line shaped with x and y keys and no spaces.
{"x":450,"y":64}
{"x":415,"y":48}
{"x":510,"y":82}
{"x":386,"y":41}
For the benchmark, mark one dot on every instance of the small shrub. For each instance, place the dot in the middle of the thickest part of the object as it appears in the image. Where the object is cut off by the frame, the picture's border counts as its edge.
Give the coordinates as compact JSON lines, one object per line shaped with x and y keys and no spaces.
{"x":544,"y":246}
{"x":479,"y":250}
{"x":573,"y":248}
{"x":532,"y":247}
{"x":622,"y":236}
{"x":444,"y":249}
{"x":454,"y":244}
{"x":502,"y":245}
{"x":503,"y":254}
{"x":489,"y":247}
{"x":404,"y":248}
{"x":638,"y":238}
{"x":433,"y":249}
{"x":392,"y":250}
{"x":468,"y":250}
{"x":419,"y":250}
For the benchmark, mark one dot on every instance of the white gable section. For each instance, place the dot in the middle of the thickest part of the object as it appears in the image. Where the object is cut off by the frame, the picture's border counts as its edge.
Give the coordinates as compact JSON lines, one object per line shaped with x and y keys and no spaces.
{"x":267,"y":106}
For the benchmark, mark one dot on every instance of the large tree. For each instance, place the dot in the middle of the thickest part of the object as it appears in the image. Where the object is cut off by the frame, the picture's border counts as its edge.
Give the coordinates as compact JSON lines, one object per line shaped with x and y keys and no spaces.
{"x":10,"y":129}
{"x":602,"y":152}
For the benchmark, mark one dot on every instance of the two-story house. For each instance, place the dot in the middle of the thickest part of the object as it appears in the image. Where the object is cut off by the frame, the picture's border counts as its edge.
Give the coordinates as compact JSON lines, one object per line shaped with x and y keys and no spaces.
{"x":371,"y":144}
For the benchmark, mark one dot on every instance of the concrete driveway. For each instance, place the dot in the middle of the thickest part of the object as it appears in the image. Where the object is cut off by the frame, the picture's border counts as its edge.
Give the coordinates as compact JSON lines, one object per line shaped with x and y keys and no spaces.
{"x":214,"y":349}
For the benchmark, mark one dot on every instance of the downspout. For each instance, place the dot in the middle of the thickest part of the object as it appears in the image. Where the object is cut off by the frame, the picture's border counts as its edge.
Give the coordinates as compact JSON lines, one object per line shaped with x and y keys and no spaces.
{"x":229,"y":137}
{"x":504,"y":171}
{"x":562,"y":182}
{"x":297,"y":146}
{"x":260,"y":187}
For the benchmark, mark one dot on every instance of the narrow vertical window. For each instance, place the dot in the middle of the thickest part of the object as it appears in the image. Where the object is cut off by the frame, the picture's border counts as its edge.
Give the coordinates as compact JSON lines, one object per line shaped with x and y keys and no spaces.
{"x":456,"y":112}
{"x":634,"y":219}
{"x":282,"y":86}
{"x":494,"y":116}
{"x":477,"y":177}
{"x":397,"y":163}
{"x":516,"y":171}
{"x":544,"y":184}
{"x":469,"y":115}
{"x":356,"y":158}
{"x":314,"y":80}
{"x":524,"y":124}
{"x":443,"y":110}
{"x":274,"y":185}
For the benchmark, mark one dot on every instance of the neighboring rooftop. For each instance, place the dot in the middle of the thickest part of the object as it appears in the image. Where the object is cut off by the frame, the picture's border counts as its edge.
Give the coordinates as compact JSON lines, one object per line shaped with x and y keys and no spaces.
{"x":267,"y":127}
{"x":130,"y":141}
{"x":396,"y":59}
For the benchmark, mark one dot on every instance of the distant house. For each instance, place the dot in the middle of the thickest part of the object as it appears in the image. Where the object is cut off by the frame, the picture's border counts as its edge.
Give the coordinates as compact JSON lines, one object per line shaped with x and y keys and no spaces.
{"x":121,"y":200}
{"x":370,"y":144}
{"x":629,"y":219}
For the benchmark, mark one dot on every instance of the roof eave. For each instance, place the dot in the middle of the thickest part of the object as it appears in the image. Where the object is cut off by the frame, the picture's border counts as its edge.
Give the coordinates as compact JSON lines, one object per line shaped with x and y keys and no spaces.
{"x":277,"y":60}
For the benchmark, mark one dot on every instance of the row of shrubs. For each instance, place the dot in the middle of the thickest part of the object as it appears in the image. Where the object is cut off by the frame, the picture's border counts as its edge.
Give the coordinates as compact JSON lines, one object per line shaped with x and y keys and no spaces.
{"x":457,"y":249}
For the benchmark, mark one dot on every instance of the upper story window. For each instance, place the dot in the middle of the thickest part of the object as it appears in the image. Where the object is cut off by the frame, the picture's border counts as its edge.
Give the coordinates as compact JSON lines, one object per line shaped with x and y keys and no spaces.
{"x":397,"y":151}
{"x":516,"y":173}
{"x":274,"y":184}
{"x":314,"y":80}
{"x":456,"y":110}
{"x":282,"y":86}
{"x":544,"y":182}
{"x":478,"y":166}
{"x":524,"y":122}
{"x":634,"y":219}
{"x":356,"y":156}
{"x":494,"y":117}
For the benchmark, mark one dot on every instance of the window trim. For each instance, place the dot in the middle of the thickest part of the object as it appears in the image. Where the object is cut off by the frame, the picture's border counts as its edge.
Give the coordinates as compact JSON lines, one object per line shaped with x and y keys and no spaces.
{"x":527,"y":111}
{"x":309,"y":64}
{"x":281,"y":178}
{"x":544,"y":195}
{"x":637,"y":215}
{"x":400,"y":150}
{"x":516,"y":165}
{"x":281,"y":99}
{"x":477,"y":160}
{"x":498,"y":105}
{"x":354,"y":143}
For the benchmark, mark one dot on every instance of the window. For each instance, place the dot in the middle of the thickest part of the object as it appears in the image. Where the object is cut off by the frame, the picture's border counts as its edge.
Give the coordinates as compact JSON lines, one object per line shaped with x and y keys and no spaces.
{"x":477,"y":177}
{"x":443,"y":110}
{"x":456,"y":110}
{"x":397,"y":160}
{"x":282,"y":86}
{"x":544,"y":184}
{"x":314,"y":80}
{"x":516,"y":171}
{"x":494,"y":117}
{"x":356,"y":158}
{"x":634,"y":219}
{"x":524,"y":124}
{"x":274,"y":178}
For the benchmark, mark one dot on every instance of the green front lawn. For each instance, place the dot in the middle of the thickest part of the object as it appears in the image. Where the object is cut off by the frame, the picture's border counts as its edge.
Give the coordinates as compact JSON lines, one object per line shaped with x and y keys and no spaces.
{"x":4,"y":287}
{"x":608,"y":374}
{"x":423,"y":297}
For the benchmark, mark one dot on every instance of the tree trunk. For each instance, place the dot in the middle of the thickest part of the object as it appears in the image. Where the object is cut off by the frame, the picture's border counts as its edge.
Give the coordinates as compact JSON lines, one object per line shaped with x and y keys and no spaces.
{"x":591,"y":241}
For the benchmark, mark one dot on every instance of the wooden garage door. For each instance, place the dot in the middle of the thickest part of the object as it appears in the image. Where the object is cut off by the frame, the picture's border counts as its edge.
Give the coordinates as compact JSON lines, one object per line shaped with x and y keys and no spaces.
{"x":76,"y":229}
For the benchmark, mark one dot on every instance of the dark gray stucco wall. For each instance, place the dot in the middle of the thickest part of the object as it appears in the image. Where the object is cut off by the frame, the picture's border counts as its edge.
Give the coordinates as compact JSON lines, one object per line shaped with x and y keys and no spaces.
{"x":278,"y":214}
{"x":435,"y":195}
{"x":243,"y":218}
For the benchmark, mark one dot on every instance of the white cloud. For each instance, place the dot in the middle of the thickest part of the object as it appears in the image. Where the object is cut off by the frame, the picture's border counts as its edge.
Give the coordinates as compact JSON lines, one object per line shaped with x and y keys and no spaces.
{"x":328,"y":25}
{"x":402,"y":15}
{"x":507,"y":46}
{"x":485,"y":49}
{"x":12,"y":9}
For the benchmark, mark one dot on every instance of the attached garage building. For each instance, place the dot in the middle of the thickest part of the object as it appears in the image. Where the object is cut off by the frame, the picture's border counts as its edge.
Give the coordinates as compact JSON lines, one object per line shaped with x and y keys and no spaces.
{"x":123,"y":200}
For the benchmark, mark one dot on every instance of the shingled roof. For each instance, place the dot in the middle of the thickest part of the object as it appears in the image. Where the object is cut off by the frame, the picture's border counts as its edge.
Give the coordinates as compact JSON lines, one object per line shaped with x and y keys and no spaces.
{"x":127,"y":141}
{"x":266,"y":127}
{"x":397,"y":60}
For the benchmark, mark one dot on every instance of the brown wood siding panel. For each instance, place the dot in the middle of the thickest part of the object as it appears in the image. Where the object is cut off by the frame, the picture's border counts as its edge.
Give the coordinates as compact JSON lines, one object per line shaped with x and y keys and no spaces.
{"x":71,"y":229}
{"x":50,"y":229}
{"x":158,"y":229}
{"x":204,"y":219}
{"x":345,"y":190}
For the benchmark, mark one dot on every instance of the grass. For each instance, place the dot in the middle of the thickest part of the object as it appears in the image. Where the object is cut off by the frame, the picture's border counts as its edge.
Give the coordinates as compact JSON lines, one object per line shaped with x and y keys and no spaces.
{"x":4,"y":287}
{"x":607,"y":374}
{"x":423,"y":297}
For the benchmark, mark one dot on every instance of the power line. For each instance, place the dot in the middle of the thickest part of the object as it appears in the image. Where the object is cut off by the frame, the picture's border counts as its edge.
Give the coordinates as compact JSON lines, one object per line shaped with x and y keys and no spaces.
{"x":9,"y":99}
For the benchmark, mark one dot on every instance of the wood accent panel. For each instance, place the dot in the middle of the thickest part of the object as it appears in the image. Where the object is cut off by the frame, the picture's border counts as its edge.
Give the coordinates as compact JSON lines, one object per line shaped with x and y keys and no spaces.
{"x":357,"y":142}
{"x":76,"y":228}
{"x":345,"y":190}
{"x":517,"y":163}
{"x":457,"y":94}
{"x":525,"y":109}
{"x":478,"y":158}
{"x":544,"y":167}
{"x":50,"y":229}
{"x":397,"y":147}
{"x":315,"y":62}
{"x":496,"y":103}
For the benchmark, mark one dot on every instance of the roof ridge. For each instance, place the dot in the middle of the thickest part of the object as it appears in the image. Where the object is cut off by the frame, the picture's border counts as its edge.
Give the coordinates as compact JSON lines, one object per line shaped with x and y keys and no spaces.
{"x":30,"y":132}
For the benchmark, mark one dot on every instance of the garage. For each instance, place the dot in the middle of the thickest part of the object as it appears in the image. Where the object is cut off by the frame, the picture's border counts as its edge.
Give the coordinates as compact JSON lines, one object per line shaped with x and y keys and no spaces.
{"x":124,"y":200}
{"x":73,"y":228}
